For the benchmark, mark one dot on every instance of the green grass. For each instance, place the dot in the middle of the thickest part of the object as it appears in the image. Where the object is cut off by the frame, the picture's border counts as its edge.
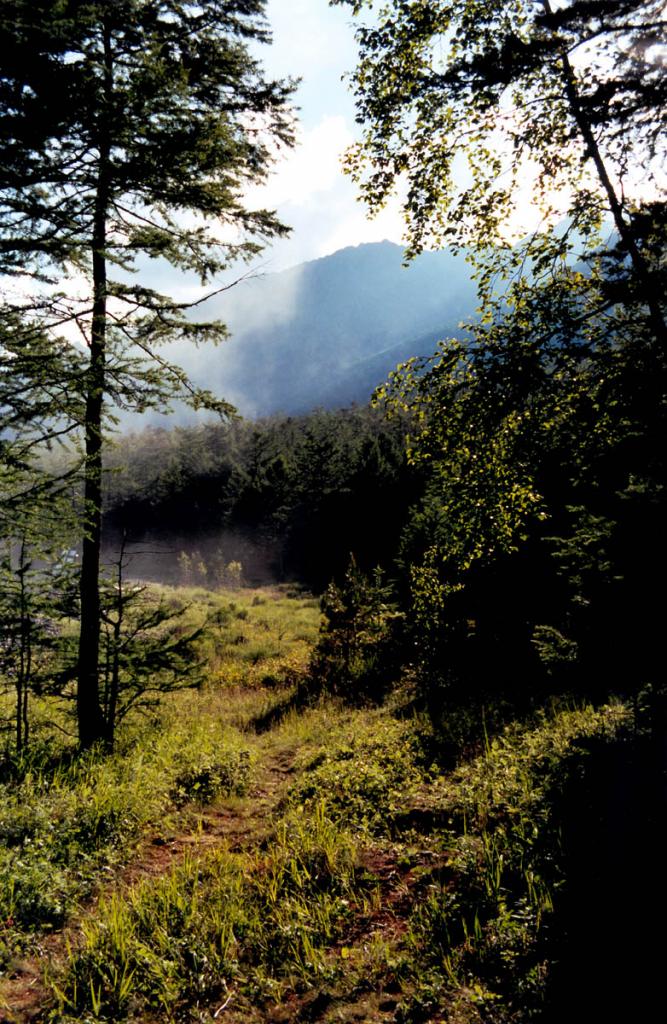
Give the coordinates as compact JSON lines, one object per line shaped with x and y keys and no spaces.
{"x":478,"y":942}
{"x":227,"y":922}
{"x":61,"y":829}
{"x":66,"y":821}
{"x":375,"y":871}
{"x":367,"y":772}
{"x":479,"y":845}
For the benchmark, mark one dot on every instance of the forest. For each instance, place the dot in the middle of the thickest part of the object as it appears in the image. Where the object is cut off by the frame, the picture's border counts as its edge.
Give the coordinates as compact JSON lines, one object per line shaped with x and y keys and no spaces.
{"x":355,"y":714}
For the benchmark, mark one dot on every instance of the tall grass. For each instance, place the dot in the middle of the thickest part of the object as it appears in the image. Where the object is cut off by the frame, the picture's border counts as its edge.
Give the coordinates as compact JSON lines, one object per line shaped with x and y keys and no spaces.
{"x":478,"y":943}
{"x":468,"y":858}
{"x":67,"y":820}
{"x":62,"y":829}
{"x":227,"y":923}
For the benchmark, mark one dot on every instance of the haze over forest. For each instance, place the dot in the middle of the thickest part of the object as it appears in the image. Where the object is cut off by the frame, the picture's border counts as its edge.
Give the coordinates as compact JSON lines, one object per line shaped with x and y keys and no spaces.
{"x":326,"y":333}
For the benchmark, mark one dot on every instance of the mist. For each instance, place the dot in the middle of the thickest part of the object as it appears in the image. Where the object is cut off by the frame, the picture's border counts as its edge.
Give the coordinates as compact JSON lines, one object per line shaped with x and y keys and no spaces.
{"x":213,"y":559}
{"x":326,"y":333}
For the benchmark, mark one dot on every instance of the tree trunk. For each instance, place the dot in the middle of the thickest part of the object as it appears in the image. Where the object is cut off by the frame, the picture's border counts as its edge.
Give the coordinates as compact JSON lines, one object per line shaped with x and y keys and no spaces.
{"x":90,"y":716}
{"x":642,"y":271}
{"x":22,"y":674}
{"x":89,"y":712}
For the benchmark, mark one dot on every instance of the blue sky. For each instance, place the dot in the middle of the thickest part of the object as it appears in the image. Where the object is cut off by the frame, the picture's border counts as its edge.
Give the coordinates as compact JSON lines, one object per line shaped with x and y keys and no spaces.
{"x":315,"y":42}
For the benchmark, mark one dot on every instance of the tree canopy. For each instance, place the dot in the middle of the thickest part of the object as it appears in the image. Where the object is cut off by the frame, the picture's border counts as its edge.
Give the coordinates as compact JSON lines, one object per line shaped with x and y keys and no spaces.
{"x":534,"y":551}
{"x":464,"y":101}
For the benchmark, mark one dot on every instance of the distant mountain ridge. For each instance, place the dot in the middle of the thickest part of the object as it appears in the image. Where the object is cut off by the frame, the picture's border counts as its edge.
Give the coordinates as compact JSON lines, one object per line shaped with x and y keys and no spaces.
{"x":326,"y":333}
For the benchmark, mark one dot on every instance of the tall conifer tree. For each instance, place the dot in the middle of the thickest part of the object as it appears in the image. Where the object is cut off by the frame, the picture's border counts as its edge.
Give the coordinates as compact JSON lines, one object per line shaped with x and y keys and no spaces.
{"x":129,"y":129}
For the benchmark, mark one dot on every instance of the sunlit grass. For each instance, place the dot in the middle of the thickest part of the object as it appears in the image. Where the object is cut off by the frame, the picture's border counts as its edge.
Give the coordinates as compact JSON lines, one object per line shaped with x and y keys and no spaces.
{"x":352,"y":807}
{"x":66,"y":820}
{"x":222,"y":923}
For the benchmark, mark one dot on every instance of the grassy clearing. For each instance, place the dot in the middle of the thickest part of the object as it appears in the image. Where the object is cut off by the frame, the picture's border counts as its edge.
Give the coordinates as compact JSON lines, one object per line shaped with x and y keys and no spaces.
{"x":258,"y":638}
{"x":61,"y":829}
{"x":66,"y":821}
{"x":225,"y":923}
{"x":381,"y":887}
{"x":381,"y":875}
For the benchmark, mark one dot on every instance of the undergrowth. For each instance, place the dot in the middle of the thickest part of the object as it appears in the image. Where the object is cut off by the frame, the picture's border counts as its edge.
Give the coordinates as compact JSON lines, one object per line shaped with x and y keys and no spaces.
{"x":382,"y":871}
{"x":368,"y":776}
{"x":61,"y":830}
{"x":479,"y":940}
{"x":67,"y":820}
{"x":484,"y":865}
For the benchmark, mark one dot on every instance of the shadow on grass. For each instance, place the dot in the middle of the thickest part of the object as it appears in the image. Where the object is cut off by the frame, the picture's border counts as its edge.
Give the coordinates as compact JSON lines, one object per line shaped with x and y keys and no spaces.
{"x":306,"y":691}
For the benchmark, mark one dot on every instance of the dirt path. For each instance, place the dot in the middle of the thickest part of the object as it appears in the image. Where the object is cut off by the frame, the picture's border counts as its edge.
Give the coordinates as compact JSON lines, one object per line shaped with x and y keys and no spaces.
{"x":241,"y":823}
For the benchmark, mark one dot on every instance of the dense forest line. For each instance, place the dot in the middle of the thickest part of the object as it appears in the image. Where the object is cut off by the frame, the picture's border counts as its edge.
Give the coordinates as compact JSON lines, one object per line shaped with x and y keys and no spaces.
{"x":305,"y":491}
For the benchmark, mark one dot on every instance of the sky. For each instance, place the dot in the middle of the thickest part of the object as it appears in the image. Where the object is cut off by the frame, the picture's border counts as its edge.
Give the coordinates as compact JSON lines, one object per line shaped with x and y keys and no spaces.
{"x":315,"y":42}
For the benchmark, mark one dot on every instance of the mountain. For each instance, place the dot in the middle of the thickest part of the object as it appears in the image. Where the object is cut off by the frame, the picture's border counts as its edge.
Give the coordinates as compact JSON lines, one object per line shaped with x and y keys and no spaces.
{"x":326,"y":333}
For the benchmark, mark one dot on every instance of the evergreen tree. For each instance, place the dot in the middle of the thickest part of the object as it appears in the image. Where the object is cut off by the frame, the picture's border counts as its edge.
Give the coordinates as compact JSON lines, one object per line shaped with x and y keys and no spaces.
{"x":147,"y":649}
{"x":129,"y":129}
{"x":37,"y":586}
{"x":39,"y":408}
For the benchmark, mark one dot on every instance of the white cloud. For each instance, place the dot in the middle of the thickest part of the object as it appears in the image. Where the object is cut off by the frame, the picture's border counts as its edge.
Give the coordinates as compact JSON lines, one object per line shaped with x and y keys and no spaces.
{"x":309,"y":39}
{"x":311,"y":194}
{"x":355,"y":227}
{"x":311,"y":168}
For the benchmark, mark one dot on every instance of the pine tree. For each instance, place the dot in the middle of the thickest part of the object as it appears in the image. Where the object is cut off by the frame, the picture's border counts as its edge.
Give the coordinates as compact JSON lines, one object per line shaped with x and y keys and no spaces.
{"x":129,"y":129}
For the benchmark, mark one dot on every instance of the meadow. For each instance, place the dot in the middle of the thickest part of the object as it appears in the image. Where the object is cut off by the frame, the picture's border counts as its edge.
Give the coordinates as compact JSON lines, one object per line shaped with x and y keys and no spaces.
{"x":260,"y":850}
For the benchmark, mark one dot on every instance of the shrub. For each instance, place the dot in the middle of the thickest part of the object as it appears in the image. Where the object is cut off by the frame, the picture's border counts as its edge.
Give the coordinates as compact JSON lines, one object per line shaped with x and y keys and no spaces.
{"x":355,"y":654}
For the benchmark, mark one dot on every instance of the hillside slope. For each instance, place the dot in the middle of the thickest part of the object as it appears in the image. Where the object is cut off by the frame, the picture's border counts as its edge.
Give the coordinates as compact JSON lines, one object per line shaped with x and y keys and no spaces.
{"x":326,"y":333}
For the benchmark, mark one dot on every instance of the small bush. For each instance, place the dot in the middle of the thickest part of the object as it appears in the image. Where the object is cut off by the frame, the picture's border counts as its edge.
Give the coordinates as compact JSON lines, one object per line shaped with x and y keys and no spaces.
{"x":225,"y":773}
{"x":367,"y":781}
{"x":356,"y":652}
